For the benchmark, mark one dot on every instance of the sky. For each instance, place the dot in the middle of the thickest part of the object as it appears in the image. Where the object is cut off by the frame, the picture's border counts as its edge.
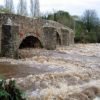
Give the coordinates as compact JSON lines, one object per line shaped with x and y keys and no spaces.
{"x":74,"y":7}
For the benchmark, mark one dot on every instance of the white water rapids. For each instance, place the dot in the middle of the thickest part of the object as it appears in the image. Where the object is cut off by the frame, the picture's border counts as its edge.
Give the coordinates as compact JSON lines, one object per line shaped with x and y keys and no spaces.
{"x":67,"y":73}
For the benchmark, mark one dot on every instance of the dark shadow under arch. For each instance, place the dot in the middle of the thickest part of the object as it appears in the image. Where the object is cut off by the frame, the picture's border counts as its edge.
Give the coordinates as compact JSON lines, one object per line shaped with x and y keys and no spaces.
{"x":30,"y":42}
{"x":58,"y":39}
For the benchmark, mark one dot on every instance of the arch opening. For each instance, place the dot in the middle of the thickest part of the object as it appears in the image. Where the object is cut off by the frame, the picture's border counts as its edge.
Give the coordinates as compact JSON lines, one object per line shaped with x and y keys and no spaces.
{"x":30,"y":42}
{"x":58,"y":40}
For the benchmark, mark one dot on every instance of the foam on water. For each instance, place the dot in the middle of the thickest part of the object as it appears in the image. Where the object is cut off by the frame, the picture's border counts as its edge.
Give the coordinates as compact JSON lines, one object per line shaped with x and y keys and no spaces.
{"x":97,"y":98}
{"x":78,"y":80}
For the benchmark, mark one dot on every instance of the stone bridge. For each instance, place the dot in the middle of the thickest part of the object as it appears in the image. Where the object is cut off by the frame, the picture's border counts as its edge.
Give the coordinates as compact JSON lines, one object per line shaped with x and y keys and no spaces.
{"x":18,"y":32}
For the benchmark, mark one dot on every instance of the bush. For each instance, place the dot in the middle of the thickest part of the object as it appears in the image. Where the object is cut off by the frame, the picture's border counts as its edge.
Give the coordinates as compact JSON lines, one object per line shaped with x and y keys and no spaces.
{"x":9,"y":91}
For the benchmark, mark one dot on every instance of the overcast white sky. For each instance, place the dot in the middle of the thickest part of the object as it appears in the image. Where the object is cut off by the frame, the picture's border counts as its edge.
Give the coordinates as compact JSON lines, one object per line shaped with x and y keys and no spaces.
{"x":74,"y":7}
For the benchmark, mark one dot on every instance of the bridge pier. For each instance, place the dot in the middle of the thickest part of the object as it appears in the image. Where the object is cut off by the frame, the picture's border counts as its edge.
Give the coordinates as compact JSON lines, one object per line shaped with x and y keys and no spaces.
{"x":9,"y":41}
{"x":49,"y":38}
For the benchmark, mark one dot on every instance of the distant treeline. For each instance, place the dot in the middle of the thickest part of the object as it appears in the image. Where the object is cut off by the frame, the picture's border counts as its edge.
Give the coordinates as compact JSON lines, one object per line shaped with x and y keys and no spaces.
{"x":86,"y":27}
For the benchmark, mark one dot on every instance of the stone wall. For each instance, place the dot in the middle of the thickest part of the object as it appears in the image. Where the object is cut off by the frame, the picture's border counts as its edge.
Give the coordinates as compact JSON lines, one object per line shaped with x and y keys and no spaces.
{"x":9,"y":41}
{"x":66,"y":34}
{"x":50,"y":37}
{"x":44,"y":30}
{"x":27,"y":26}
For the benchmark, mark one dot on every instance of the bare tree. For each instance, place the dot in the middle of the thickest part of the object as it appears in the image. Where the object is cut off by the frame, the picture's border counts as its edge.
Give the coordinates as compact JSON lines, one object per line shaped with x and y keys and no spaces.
{"x":32,"y":7}
{"x":90,"y":25}
{"x":35,"y":8}
{"x":9,"y":6}
{"x":90,"y":20}
{"x":22,"y":8}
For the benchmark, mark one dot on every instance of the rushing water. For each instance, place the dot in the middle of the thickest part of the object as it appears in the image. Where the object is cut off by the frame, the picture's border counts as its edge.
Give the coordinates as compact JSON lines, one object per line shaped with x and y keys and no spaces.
{"x":8,"y":70}
{"x":22,"y":70}
{"x":70,"y":72}
{"x":19,"y":70}
{"x":97,"y":98}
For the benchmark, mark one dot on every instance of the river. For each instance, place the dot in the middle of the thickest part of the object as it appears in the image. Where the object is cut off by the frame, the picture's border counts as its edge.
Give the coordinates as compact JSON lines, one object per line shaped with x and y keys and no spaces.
{"x":10,"y":70}
{"x":67,"y":72}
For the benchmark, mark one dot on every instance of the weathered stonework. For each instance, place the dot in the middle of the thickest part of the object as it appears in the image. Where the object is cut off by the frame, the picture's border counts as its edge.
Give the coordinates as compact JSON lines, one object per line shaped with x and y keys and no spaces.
{"x":46,"y":31}
{"x":50,"y":37}
{"x":9,"y":41}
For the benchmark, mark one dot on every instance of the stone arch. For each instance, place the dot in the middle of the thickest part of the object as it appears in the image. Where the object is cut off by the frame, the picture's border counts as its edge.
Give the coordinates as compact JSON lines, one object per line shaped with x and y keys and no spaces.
{"x":58,"y":39}
{"x":30,"y":42}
